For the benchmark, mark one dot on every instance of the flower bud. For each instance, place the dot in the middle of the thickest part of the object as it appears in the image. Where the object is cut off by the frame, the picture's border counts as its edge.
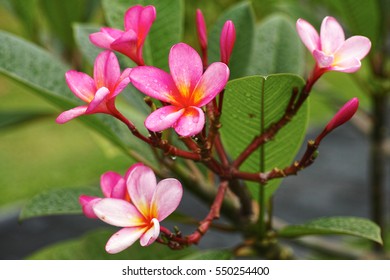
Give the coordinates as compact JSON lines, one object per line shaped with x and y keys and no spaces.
{"x":343,"y":115}
{"x":201,"y":29}
{"x":228,"y":37}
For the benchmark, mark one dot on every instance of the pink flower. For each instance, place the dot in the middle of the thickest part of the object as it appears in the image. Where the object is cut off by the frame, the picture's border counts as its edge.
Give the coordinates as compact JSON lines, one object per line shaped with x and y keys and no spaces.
{"x":227,"y":40}
{"x":330,"y":49}
{"x":343,"y":115}
{"x":150,"y":204}
{"x":100,"y":91}
{"x":186,"y":89}
{"x":113,"y":185}
{"x":138,"y":21}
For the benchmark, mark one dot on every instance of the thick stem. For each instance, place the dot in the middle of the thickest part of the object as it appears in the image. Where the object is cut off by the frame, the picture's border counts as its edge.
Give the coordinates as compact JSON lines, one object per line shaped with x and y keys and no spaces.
{"x":378,"y":160}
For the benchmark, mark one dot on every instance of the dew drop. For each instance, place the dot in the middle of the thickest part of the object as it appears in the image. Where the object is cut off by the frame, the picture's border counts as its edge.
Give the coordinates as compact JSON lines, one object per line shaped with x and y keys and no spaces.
{"x":173,"y":157}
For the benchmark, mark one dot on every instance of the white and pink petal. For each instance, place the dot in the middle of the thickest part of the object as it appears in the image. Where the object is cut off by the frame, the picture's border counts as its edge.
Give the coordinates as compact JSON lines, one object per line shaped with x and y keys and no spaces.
{"x":166,"y":199}
{"x":123,"y":239}
{"x":163,"y":118}
{"x":151,"y":234}
{"x":332,"y":35}
{"x":308,"y":35}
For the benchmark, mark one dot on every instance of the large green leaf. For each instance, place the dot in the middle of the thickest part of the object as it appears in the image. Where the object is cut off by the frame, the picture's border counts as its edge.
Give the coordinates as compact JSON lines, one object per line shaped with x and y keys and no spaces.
{"x":335,"y":225}
{"x":277,"y":48}
{"x":44,"y":73}
{"x":91,"y":247}
{"x":56,"y":202}
{"x":243,"y":18}
{"x":166,"y":31}
{"x":251,"y":105}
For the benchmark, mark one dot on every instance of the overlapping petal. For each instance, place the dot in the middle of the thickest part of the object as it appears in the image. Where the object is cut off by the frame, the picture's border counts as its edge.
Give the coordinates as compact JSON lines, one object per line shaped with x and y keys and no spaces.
{"x":154,"y":82}
{"x":151,"y":234}
{"x":87,"y":203}
{"x":105,"y":37}
{"x":118,"y":212}
{"x":186,"y":68}
{"x":210,"y":84}
{"x":106,"y":71}
{"x":191,"y":122}
{"x":166,"y":198}
{"x":98,"y":103}
{"x":308,"y":35}
{"x":113,"y":185}
{"x":123,"y":239}
{"x":163,"y":118}
{"x":332,"y":35}
{"x":82,"y":85}
{"x":354,"y":47}
{"x":141,"y":185}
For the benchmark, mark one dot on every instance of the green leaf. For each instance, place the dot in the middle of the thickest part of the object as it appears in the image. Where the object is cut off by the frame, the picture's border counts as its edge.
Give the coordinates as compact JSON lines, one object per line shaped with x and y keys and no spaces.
{"x":243,"y":18}
{"x":211,"y":255}
{"x":252,"y":104}
{"x":91,"y":247}
{"x":166,"y":31}
{"x":56,"y":202}
{"x":335,"y":225}
{"x":277,"y":48}
{"x":12,"y":118}
{"x":361,"y":17}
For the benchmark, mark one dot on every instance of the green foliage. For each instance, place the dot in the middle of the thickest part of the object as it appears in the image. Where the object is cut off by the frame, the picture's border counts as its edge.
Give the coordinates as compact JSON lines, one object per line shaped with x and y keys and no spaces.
{"x":277,"y":48}
{"x":56,"y":202}
{"x":251,"y":105}
{"x":81,"y":36}
{"x":242,"y":16}
{"x":91,"y":247}
{"x":166,"y":30}
{"x":335,"y":225}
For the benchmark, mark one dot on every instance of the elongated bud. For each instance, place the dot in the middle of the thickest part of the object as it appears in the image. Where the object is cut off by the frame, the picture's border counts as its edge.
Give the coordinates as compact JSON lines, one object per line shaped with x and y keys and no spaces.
{"x":343,"y":115}
{"x":202,"y":35}
{"x":228,"y":38}
{"x":201,"y":29}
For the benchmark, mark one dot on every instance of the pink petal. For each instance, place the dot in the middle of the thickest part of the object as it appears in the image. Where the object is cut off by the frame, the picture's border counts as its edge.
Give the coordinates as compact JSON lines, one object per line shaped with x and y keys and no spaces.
{"x":227,"y":40}
{"x":155,"y":83}
{"x":191,"y":122}
{"x":82,"y":85}
{"x":141,"y":185}
{"x":127,"y":45}
{"x":166,"y":198}
{"x":98,"y":103}
{"x":106,"y":70}
{"x":323,"y":60}
{"x":347,"y":66}
{"x":123,"y":239}
{"x":132,"y":16}
{"x":131,"y":169}
{"x":86,"y":203}
{"x":354,"y":47}
{"x":151,"y":234}
{"x":105,"y":37}
{"x":163,"y":118}
{"x":201,"y":29}
{"x":332,"y":35}
{"x":308,"y":35}
{"x":109,"y":181}
{"x":122,"y":82}
{"x":186,"y":68}
{"x":118,"y":212}
{"x":71,"y":114}
{"x":211,"y":83}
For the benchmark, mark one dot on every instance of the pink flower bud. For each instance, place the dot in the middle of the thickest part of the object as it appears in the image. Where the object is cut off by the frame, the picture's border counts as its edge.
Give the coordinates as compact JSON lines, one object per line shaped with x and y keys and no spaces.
{"x":228,"y":37}
{"x":343,"y":115}
{"x":201,"y":29}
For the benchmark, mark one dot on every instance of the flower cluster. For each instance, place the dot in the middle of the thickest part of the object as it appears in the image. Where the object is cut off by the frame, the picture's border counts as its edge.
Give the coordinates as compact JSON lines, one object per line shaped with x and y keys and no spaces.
{"x":136,"y":201}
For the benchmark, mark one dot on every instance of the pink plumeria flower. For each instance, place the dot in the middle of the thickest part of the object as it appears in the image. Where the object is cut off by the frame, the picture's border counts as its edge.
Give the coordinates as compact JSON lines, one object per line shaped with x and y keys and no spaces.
{"x":150,"y":204}
{"x":227,"y":40}
{"x":98,"y":92}
{"x":186,"y":89}
{"x":113,"y":185}
{"x":137,"y":22}
{"x":330,"y":49}
{"x":342,"y":116}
